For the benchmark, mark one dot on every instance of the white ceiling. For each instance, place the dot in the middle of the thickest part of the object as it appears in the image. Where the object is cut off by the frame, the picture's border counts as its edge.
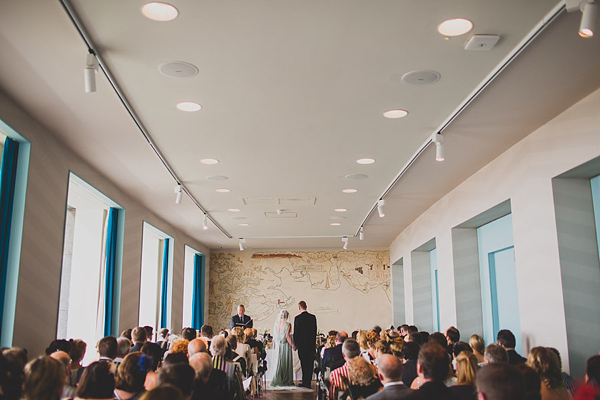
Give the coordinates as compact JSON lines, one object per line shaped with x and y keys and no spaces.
{"x":292,"y":95}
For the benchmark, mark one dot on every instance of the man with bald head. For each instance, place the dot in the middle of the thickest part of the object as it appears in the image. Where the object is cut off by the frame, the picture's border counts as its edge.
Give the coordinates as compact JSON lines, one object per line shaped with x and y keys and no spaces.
{"x":65,"y":359}
{"x":390,"y":374}
{"x":209,"y":383}
{"x":196,"y":346}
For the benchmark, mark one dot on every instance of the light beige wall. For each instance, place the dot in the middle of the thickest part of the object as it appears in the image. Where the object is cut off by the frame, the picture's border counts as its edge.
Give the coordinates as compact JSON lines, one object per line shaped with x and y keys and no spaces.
{"x":522,"y":174}
{"x":346,"y":290}
{"x":41,"y":254}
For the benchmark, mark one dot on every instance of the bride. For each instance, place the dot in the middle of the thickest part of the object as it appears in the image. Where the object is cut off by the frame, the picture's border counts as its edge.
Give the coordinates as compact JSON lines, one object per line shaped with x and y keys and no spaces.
{"x":282,"y":339}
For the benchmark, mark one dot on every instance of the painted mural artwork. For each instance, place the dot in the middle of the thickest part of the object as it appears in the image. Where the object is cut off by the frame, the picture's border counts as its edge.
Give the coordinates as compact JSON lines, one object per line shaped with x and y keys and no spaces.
{"x":346,"y":289}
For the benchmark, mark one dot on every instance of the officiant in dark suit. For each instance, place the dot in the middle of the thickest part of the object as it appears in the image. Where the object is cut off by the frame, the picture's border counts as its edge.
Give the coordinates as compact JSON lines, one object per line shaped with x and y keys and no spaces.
{"x":240,"y":319}
{"x":305,"y":335}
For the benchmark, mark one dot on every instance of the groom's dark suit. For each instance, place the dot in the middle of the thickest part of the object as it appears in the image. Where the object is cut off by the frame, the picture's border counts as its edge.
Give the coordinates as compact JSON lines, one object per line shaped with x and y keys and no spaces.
{"x":305,"y":335}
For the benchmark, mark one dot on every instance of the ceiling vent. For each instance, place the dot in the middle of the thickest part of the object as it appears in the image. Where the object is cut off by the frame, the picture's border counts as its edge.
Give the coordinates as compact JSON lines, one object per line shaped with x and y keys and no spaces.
{"x":482,"y":42}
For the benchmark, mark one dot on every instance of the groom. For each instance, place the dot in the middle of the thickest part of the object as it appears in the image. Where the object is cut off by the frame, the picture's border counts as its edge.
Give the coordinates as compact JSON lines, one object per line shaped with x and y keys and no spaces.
{"x":305,"y":335}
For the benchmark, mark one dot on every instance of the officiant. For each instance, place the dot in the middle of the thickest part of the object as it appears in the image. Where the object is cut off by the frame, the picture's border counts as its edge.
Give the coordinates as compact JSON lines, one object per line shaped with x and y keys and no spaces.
{"x":240,"y":319}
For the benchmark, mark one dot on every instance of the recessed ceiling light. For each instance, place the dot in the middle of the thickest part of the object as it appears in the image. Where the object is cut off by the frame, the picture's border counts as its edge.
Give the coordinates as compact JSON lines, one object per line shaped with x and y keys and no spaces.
{"x":189,"y":106}
{"x":160,"y":11}
{"x":396,"y":113}
{"x":223,"y":190}
{"x":209,"y":161}
{"x":335,"y":224}
{"x":244,"y":224}
{"x":455,"y":27}
{"x":365,"y":161}
{"x":340,"y":210}
{"x":233,"y":209}
{"x":217,"y":178}
{"x":349,"y":190}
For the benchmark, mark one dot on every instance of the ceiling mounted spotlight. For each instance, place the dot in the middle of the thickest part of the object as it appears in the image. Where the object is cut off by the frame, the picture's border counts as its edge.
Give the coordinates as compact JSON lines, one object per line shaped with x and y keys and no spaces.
{"x":89,"y":73}
{"x":205,"y":222}
{"x":242,"y":241}
{"x":380,"y":205}
{"x":345,"y":240}
{"x":589,"y":15}
{"x":439,"y":147}
{"x":178,"y":193}
{"x":361,"y":234}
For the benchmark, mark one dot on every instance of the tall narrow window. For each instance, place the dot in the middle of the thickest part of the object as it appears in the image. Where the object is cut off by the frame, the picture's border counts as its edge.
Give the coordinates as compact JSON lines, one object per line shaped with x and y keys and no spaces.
{"x":14,"y":165}
{"x":435,"y":290}
{"x":193,"y":288}
{"x":91,"y":269}
{"x":156,"y":278}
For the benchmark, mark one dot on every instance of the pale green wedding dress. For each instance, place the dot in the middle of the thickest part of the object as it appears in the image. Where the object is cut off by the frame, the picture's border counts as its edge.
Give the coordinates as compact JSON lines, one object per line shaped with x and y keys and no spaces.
{"x":284,"y":372}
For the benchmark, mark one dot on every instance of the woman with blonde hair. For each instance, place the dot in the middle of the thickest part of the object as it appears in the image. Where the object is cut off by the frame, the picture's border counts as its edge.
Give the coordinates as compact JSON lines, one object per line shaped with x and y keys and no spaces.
{"x":44,"y":379}
{"x":362,"y":376}
{"x":361,"y":338}
{"x":371,"y":338}
{"x":547,"y":365}
{"x":242,"y":349}
{"x":131,"y":376}
{"x":478,"y":345}
{"x":466,"y":370}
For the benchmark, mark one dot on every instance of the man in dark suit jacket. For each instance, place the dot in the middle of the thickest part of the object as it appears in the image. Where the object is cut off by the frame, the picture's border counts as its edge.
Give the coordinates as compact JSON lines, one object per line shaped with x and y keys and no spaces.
{"x":240,"y":319}
{"x":507,"y":340}
{"x":333,"y":357}
{"x":433,"y":366}
{"x":305,"y":335}
{"x":390,"y":374}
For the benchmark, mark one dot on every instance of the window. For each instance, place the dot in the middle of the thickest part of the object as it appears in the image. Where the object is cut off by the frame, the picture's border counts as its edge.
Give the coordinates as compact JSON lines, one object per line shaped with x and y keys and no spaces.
{"x":14,"y":161}
{"x":435,"y":290}
{"x":90,"y":276}
{"x":194,"y":276}
{"x":156,"y":278}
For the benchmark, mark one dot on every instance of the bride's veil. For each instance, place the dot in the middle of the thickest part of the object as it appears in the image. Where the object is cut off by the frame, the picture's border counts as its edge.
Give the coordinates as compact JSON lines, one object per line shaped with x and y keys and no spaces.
{"x":279,"y":326}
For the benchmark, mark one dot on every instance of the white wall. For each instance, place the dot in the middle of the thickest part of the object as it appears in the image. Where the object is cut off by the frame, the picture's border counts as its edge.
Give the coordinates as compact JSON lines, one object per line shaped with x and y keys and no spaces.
{"x":43,"y":232}
{"x":522,"y":174}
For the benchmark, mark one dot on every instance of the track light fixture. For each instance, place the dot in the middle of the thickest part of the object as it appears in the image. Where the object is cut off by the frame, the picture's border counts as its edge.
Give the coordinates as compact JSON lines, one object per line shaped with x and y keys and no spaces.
{"x":242,"y":241}
{"x":589,"y":14}
{"x":345,"y":241}
{"x":439,"y":147}
{"x":205,"y":222}
{"x":178,"y":193}
{"x":89,"y":73}
{"x":380,"y":205}
{"x":361,"y":233}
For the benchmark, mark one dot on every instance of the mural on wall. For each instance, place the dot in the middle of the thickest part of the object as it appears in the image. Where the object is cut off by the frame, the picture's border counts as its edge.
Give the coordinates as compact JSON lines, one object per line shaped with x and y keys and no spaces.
{"x":345,"y":290}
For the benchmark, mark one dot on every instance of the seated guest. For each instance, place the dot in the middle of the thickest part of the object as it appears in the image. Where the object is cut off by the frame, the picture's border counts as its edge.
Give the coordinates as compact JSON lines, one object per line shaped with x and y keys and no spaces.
{"x":44,"y":379}
{"x":179,"y":346}
{"x":206,"y":332}
{"x":362,"y":377}
{"x":59,"y":344}
{"x":175,"y":358}
{"x":433,"y":366}
{"x":123,"y":348}
{"x":149,"y":333}
{"x":390,"y":374}
{"x":209,"y":383}
{"x":11,"y":375}
{"x":438,"y":338}
{"x":396,"y":347}
{"x":218,"y":348}
{"x":507,"y":340}
{"x":131,"y":375}
{"x":65,"y":360}
{"x":369,"y":354}
{"x":478,"y":345}
{"x":466,"y":369}
{"x":350,"y":349}
{"x":163,"y":392}
{"x":415,"y":337}
{"x":567,"y":379}
{"x":234,"y":356}
{"x":333,"y":357}
{"x":410,"y":353}
{"x":500,"y":381}
{"x":196,"y":346}
{"x":138,"y":337}
{"x":163,"y":339}
{"x":224,"y":333}
{"x":251,"y":341}
{"x":591,"y":389}
{"x":381,"y":348}
{"x":77,"y":353}
{"x":242,"y":348}
{"x":361,"y":338}
{"x":329,"y":342}
{"x":97,"y":382}
{"x":107,"y":348}
{"x":154,"y":353}
{"x":545,"y":362}
{"x":452,"y":337}
{"x":495,"y":354}
{"x":179,"y":375}
{"x":127,"y":333}
{"x":533,"y":385}
{"x":189,"y":334}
